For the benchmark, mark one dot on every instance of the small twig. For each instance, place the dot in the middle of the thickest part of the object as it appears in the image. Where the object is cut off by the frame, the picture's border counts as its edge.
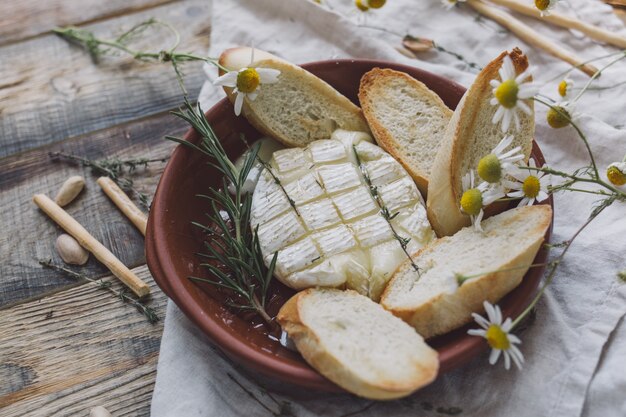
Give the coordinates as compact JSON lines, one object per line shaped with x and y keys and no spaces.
{"x":529,"y":35}
{"x":90,"y":243}
{"x":149,"y":312}
{"x":126,"y":206}
{"x":114,"y":168}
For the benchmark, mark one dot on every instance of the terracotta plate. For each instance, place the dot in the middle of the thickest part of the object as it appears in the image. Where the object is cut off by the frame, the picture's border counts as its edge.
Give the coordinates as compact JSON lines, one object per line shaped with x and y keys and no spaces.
{"x":172,"y":242}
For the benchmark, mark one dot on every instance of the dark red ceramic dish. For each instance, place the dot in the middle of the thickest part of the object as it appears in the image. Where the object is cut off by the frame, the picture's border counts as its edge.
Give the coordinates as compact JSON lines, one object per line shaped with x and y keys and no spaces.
{"x":172,"y":242}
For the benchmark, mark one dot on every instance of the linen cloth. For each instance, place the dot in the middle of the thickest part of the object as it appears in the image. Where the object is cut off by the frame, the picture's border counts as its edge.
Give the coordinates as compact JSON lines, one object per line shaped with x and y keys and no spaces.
{"x":575,"y":350}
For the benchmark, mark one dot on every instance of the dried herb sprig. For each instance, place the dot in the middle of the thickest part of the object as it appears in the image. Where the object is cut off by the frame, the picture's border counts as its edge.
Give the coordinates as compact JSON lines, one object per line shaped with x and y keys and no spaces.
{"x":98,"y":47}
{"x":122,"y":294}
{"x":384,"y":211}
{"x":114,"y":168}
{"x":233,"y":249}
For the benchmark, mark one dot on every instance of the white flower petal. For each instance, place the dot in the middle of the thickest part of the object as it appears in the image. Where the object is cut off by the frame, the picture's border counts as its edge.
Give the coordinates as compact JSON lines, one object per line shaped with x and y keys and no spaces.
{"x":506,"y":326}
{"x":507,"y":360}
{"x":542,"y":196}
{"x":498,"y":115}
{"x":239,"y":102}
{"x":516,"y":194}
{"x":227,"y":80}
{"x":477,"y":332}
{"x":516,"y":120}
{"x":506,"y":120}
{"x":491,"y":311}
{"x":513,"y":338}
{"x":493,"y":357}
{"x":483,"y":322}
{"x":268,"y":75}
{"x":251,"y":96}
{"x":495,"y":83}
{"x":524,"y":107}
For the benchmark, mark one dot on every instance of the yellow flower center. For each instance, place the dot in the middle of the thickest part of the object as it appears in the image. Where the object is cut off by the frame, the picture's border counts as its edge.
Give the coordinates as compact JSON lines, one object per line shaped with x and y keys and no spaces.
{"x":563,"y":88}
{"x":248,"y":80}
{"x":558,"y":117}
{"x":376,"y":4}
{"x":472,"y":201}
{"x":360,"y":4}
{"x":542,"y":4}
{"x":497,"y":338}
{"x":616,"y":176}
{"x":506,"y":93}
{"x":531,"y":186}
{"x":489,"y":168}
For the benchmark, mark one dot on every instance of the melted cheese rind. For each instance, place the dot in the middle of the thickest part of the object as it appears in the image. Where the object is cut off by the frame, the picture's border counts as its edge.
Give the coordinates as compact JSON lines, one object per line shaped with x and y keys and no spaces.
{"x":337,"y":237}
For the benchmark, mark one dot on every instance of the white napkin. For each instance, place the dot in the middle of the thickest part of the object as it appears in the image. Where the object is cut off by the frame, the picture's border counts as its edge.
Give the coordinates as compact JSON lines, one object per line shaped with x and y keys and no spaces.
{"x":575,"y":333}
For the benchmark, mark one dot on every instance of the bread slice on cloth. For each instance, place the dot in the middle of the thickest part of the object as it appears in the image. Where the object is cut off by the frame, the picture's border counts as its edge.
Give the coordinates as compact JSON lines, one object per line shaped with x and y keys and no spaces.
{"x":407,"y":119}
{"x":358,"y":345}
{"x":299,"y":108}
{"x":470,"y":135}
{"x":434,"y":302}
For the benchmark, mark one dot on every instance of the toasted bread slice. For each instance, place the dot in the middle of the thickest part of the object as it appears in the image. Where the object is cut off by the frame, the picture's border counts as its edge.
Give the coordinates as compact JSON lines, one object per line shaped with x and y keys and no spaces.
{"x":299,"y":108}
{"x":470,"y":136}
{"x":407,"y":119}
{"x":358,"y":345}
{"x":496,"y":260}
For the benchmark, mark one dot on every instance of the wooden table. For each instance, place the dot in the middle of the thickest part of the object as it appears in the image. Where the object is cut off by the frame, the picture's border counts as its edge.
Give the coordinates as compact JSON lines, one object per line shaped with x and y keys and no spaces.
{"x":66,"y":346}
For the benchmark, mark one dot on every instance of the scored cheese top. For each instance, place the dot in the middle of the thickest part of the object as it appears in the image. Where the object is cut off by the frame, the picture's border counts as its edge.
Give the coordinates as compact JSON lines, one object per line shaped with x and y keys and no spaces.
{"x":336,"y":235}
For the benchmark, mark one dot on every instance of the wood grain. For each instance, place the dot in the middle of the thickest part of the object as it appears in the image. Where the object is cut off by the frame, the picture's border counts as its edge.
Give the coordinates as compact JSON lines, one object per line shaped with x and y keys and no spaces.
{"x":79,"y":348}
{"x":23,"y":19}
{"x":51,"y":90}
{"x":28,"y":235}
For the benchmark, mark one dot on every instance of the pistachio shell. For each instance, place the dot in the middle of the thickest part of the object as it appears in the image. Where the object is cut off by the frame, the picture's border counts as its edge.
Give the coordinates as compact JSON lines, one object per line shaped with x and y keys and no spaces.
{"x":70,"y":250}
{"x":69,"y":190}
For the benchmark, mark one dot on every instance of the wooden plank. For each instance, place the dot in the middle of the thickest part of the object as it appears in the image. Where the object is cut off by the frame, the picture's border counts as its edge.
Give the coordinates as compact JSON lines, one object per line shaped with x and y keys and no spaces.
{"x":28,"y":235}
{"x":66,"y":353}
{"x":51,"y":90}
{"x":28,"y":18}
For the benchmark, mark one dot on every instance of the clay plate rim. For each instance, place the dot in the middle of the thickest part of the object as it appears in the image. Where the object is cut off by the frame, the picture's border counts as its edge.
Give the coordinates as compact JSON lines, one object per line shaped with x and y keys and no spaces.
{"x":456,"y":348}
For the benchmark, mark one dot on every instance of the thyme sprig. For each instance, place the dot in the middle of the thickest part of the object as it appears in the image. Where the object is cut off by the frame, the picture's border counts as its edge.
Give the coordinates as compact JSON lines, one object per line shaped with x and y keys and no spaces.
{"x":122,"y":294}
{"x":114,"y":168}
{"x":384,"y":210}
{"x":232,"y":248}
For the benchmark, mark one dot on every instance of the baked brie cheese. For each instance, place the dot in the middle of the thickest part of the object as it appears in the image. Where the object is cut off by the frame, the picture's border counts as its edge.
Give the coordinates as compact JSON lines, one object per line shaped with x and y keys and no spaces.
{"x":322,"y":210}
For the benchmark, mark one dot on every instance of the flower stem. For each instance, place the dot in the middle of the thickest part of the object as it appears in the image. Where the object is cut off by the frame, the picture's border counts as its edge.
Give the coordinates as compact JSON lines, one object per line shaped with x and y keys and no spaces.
{"x":555,"y":263}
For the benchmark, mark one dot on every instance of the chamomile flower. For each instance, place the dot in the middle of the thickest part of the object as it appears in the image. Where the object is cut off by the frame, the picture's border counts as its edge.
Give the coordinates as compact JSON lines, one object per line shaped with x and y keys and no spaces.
{"x":498,"y":337}
{"x":545,"y":6}
{"x":449,"y":4}
{"x":475,"y":198}
{"x":565,"y":87}
{"x":509,"y":94}
{"x":247,"y":82}
{"x":492,"y":167}
{"x":530,"y":185}
{"x":560,"y":114}
{"x":616,"y":173}
{"x":365,"y":5}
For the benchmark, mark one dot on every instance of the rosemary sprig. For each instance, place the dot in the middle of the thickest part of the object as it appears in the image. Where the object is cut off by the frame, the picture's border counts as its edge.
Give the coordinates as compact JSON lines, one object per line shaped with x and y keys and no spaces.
{"x":233,"y":249}
{"x":122,"y":294}
{"x":384,"y":211}
{"x":115,"y":169}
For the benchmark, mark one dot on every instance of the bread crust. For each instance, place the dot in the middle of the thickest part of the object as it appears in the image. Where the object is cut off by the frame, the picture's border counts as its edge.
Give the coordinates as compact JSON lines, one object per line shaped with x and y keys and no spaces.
{"x":444,"y":189}
{"x":370,"y":82}
{"x":446,"y":312}
{"x":233,"y":58}
{"x":313,"y":351}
